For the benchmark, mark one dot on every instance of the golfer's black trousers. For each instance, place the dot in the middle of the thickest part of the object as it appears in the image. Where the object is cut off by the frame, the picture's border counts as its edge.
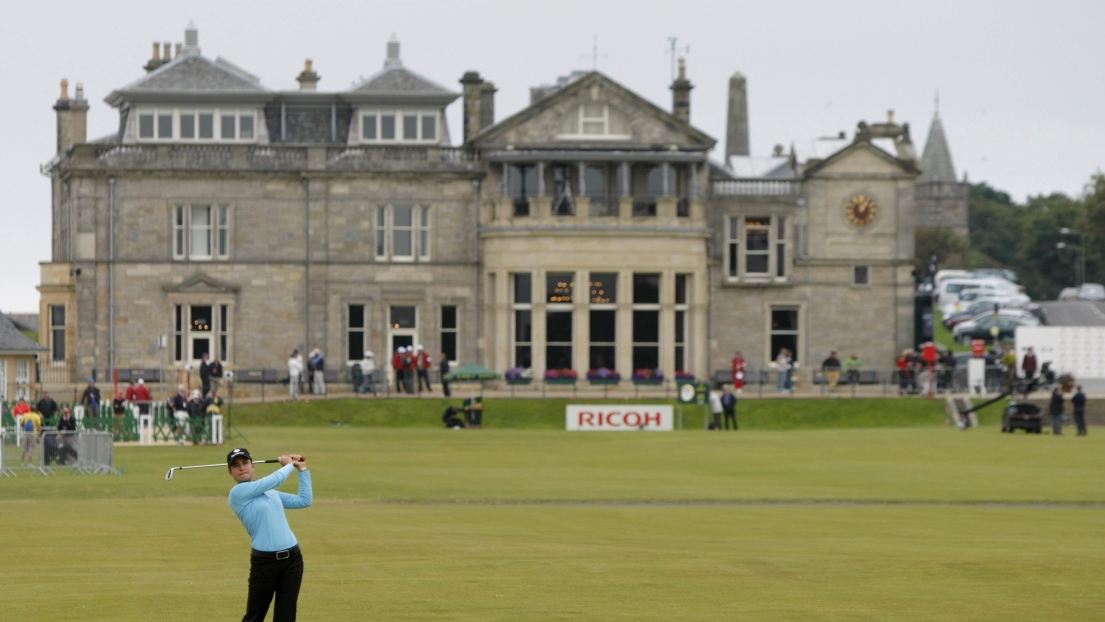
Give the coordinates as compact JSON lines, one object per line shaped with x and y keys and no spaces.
{"x":274,"y":573}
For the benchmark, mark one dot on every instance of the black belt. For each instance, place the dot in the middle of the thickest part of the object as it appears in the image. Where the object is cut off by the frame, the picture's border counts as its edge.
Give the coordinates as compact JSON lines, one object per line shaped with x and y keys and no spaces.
{"x":277,"y":555}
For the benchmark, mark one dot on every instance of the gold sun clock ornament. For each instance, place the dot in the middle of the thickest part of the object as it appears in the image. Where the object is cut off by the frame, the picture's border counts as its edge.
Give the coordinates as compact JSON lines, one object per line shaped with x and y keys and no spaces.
{"x":861,"y":210}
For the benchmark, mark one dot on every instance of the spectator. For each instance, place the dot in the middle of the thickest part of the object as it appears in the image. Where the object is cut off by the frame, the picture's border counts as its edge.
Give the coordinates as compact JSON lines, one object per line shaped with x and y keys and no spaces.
{"x":729,"y":406}
{"x":409,"y":366}
{"x":213,"y":405}
{"x":368,"y":372}
{"x":46,"y":406}
{"x":21,"y":408}
{"x":142,"y":397}
{"x":443,"y":368}
{"x":424,"y":364}
{"x":32,"y":427}
{"x":197,"y":414}
{"x":66,"y":437}
{"x":715,"y":410}
{"x":1055,"y":410}
{"x":318,"y":372}
{"x":450,"y":418}
{"x":905,"y":370}
{"x":1028,"y":364}
{"x":179,"y":405}
{"x":295,"y":368}
{"x":831,"y":366}
{"x":783,"y":362}
{"x":1079,"y":404}
{"x":130,"y":391}
{"x":119,"y":411}
{"x":91,"y":399}
{"x":852,"y":367}
{"x":216,"y":372}
{"x":397,"y":367}
{"x":205,"y":374}
{"x":739,"y":365}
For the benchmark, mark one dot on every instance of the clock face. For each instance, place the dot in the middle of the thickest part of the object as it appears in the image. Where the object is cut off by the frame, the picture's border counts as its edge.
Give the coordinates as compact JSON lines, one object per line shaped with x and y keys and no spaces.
{"x":861,"y":210}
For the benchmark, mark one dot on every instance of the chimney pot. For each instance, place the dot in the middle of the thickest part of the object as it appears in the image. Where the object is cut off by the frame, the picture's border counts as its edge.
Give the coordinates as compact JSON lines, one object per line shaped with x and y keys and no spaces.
{"x":167,"y":50}
{"x":156,"y":51}
{"x":179,"y":47}
{"x":64,"y":89}
{"x":681,"y":94}
{"x":80,"y":91}
{"x":308,"y":79}
{"x":890,"y":116}
{"x":307,"y":66}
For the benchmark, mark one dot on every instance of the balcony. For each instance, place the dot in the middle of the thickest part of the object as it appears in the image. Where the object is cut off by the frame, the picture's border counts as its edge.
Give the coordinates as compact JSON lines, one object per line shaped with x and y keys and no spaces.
{"x":249,"y":158}
{"x":758,"y":188}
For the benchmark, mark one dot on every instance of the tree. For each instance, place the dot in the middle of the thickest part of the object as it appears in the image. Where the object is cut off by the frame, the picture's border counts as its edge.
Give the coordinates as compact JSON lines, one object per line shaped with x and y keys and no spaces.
{"x":951,"y":250}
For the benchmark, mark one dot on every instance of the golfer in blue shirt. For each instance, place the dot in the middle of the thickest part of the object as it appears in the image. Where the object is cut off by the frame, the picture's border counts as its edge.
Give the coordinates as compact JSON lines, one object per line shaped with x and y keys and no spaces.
{"x":276,"y":565}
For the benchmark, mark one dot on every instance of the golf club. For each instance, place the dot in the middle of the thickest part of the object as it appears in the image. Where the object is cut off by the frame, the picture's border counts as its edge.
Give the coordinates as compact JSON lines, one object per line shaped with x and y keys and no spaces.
{"x":169,"y":475}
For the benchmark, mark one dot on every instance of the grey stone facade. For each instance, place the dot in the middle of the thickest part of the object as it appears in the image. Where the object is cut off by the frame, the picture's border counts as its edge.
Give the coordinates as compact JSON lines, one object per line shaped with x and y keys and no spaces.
{"x":280,"y":230}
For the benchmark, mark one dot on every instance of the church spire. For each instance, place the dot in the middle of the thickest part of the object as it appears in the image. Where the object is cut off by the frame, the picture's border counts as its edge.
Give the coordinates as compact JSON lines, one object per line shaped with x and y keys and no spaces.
{"x":936,"y":162}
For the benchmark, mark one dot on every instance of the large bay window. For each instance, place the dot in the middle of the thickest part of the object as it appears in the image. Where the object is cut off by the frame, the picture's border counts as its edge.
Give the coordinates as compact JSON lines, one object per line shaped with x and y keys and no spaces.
{"x":402,"y":233}
{"x":756,"y":248}
{"x":201,"y":232}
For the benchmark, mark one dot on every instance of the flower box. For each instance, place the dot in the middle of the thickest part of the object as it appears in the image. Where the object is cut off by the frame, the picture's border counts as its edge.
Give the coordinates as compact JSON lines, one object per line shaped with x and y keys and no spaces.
{"x":602,"y":381}
{"x":649,"y":381}
{"x":560,"y":381}
{"x":519,"y":381}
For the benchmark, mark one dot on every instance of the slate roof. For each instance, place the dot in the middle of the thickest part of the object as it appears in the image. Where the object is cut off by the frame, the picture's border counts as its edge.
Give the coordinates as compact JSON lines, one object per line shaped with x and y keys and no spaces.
{"x":399,"y":80}
{"x":936,"y":161}
{"x":191,"y":74}
{"x":25,"y":321}
{"x":13,"y":341}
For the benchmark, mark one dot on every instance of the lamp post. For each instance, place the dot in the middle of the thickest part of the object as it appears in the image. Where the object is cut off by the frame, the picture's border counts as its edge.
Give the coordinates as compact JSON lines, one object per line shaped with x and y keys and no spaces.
{"x":1081,"y":251}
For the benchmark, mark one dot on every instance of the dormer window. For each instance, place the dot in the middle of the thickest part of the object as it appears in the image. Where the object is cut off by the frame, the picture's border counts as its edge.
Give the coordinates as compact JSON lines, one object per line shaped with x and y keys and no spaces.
{"x":594,"y":120}
{"x":399,"y":126}
{"x":184,"y":124}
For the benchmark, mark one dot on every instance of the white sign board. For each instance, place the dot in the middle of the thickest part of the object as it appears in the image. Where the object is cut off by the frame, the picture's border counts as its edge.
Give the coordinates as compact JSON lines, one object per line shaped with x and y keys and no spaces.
{"x":618,"y":418}
{"x":1078,"y":350}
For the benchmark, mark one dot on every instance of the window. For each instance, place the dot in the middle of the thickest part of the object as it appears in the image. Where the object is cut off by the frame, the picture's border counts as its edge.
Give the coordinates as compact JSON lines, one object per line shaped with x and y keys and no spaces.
{"x":355,"y":333}
{"x":559,"y":294}
{"x":201,"y":232}
{"x":407,"y":126}
{"x":784,"y":331}
{"x":682,"y":282}
{"x":449,"y":331}
{"x":597,"y":190}
{"x":563,"y":203}
{"x":646,"y":321}
{"x":523,"y":319}
{"x":200,"y":329}
{"x":603,"y":291}
{"x":191,"y":125}
{"x":594,"y":120}
{"x":402,"y":233}
{"x":757,"y":248}
{"x":861,"y":276}
{"x":57,"y":333}
{"x":521,"y":184}
{"x":403,"y":317}
{"x":22,"y":378}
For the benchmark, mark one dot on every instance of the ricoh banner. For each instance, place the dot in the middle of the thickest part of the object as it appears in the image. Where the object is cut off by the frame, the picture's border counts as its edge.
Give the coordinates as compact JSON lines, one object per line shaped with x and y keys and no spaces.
{"x":617,"y":418}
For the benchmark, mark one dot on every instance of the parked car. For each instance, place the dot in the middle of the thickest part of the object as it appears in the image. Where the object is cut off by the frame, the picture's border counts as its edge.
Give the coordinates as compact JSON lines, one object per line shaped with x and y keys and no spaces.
{"x":1091,"y":291}
{"x":1016,"y":314}
{"x":1000,"y":273}
{"x":994,"y":296}
{"x":1068,"y":293}
{"x":983,"y":306}
{"x":980,"y":329}
{"x":949,"y":290}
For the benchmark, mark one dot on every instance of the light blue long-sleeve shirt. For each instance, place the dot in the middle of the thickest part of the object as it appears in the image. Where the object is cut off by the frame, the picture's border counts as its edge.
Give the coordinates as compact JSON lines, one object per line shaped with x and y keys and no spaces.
{"x":261,"y":508}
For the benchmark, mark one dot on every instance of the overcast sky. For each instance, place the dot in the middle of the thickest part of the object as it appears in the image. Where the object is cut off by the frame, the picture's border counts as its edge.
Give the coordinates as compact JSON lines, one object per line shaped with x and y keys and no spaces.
{"x":1021,"y":84}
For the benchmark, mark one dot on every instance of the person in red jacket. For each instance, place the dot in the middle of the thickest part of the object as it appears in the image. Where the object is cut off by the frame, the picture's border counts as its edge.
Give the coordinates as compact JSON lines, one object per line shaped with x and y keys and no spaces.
{"x":397,"y":366}
{"x":142,"y":397}
{"x":738,"y":373}
{"x":410,"y":368}
{"x":423,"y":362}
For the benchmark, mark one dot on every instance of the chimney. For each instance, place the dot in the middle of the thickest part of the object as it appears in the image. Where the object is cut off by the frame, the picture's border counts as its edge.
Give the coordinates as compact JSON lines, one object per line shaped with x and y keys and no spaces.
{"x":736,"y":131}
{"x":155,"y":60}
{"x":191,"y":39}
{"x":393,"y":59}
{"x":487,"y":104}
{"x":473,"y":103}
{"x":681,"y":93}
{"x":72,"y":117}
{"x":167,"y":52}
{"x":308,"y":79}
{"x":179,"y":49}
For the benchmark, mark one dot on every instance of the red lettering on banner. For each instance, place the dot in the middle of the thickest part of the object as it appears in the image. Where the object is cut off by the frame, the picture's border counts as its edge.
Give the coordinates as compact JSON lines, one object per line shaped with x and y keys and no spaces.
{"x":611,"y":421}
{"x":636,"y":422}
{"x":587,"y":417}
{"x":652,"y":418}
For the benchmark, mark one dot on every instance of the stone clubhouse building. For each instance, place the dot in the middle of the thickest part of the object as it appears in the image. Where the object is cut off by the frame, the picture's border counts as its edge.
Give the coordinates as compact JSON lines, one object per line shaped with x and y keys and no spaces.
{"x":591,"y":229}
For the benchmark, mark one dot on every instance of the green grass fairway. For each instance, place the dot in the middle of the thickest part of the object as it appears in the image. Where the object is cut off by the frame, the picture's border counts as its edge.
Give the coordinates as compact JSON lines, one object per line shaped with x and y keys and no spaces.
{"x":922,"y":523}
